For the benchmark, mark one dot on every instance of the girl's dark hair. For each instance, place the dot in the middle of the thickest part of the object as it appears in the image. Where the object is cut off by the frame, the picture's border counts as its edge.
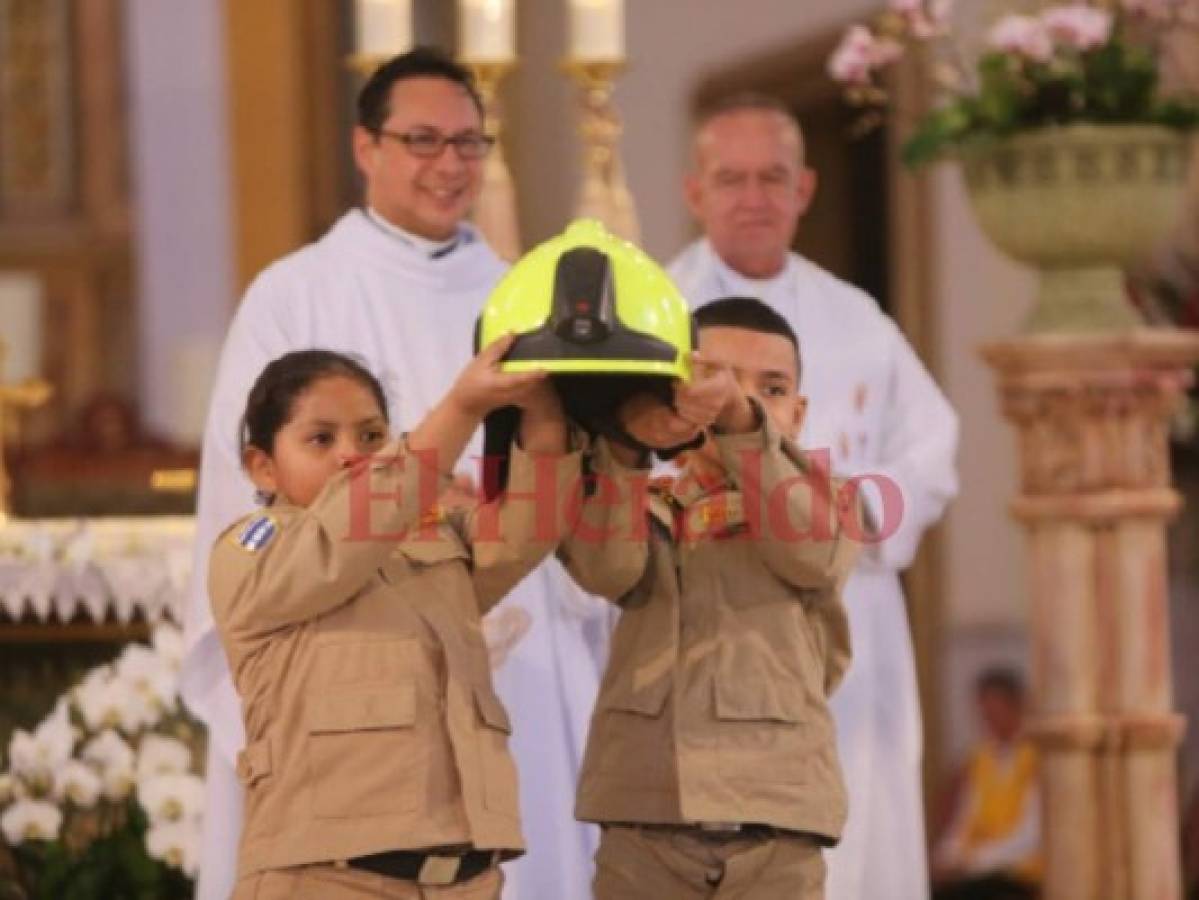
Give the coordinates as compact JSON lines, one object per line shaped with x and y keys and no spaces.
{"x":268,"y":408}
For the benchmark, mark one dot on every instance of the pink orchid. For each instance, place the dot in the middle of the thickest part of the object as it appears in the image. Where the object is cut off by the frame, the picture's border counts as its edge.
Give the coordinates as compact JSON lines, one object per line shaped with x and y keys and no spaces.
{"x":1079,"y":27}
{"x":860,"y":54}
{"x":1024,"y":36}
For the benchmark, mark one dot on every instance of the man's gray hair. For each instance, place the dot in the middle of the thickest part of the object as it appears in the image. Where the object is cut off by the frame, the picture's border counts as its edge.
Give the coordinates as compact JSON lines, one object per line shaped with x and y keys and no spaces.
{"x":747,"y":101}
{"x":744,"y":101}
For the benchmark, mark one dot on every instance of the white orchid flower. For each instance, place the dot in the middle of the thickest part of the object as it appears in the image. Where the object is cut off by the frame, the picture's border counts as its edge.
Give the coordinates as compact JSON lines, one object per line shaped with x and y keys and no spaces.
{"x":31,"y":820}
{"x":177,"y":844}
{"x":161,"y":755}
{"x":171,"y":798}
{"x":78,"y":783}
{"x":115,"y":702}
{"x":36,"y":756}
{"x":150,"y":675}
{"x":115,"y":759}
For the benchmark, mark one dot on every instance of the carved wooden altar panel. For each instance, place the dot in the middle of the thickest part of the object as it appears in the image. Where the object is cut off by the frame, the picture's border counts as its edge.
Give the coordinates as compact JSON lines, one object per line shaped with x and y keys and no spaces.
{"x":64,"y":207}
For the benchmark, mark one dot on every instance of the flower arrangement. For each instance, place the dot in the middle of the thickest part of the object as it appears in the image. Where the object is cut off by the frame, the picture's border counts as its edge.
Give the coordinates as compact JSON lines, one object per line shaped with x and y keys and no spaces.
{"x":1094,"y":62}
{"x":103,"y":799}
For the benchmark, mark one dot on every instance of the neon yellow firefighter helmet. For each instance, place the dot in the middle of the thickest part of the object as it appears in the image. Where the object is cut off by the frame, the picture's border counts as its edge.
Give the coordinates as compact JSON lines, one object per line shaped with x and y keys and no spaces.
{"x":587,"y":302}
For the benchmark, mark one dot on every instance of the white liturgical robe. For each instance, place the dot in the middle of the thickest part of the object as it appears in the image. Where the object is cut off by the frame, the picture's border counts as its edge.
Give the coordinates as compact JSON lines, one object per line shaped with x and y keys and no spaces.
{"x":876,"y":410}
{"x":409,"y":315}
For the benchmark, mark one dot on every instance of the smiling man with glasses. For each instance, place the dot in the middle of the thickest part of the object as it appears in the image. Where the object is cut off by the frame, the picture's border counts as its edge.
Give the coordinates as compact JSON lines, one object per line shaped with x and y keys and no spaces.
{"x":399,"y":283}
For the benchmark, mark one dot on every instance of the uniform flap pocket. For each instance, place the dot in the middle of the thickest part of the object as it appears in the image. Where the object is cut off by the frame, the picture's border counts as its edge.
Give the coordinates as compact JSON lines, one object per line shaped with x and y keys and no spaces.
{"x":759,"y":701}
{"x":254,"y":762}
{"x":491,"y":710}
{"x":363,"y":710}
{"x":428,"y":550}
{"x":645,"y":700}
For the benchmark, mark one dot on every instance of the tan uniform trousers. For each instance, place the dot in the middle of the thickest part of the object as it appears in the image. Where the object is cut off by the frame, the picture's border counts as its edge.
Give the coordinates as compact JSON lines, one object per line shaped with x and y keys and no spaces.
{"x":635,"y":863}
{"x":329,"y":882}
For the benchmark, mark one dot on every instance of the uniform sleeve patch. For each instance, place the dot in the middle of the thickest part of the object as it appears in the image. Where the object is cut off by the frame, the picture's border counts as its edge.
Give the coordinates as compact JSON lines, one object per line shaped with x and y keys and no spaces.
{"x":257,"y":533}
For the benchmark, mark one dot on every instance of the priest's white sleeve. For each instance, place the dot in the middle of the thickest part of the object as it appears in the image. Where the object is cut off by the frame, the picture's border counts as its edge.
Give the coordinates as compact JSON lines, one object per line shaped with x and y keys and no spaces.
{"x":915,"y":476}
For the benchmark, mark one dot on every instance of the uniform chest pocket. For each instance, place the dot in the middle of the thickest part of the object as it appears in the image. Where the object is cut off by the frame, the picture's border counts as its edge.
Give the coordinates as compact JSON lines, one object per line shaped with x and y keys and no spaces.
{"x":365,"y":753}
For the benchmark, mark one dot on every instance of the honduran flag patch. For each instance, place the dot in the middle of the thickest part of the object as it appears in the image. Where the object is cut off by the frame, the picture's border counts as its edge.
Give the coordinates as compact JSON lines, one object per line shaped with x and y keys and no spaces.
{"x":257,"y":534}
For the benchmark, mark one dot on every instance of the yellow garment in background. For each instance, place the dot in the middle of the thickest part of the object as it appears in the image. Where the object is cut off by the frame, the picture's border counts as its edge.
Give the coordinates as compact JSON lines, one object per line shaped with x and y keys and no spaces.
{"x":999,"y":786}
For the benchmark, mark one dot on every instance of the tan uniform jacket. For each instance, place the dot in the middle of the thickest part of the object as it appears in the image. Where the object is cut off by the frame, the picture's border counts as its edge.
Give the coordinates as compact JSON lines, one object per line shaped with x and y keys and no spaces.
{"x":371,"y":722}
{"x":732,"y":634}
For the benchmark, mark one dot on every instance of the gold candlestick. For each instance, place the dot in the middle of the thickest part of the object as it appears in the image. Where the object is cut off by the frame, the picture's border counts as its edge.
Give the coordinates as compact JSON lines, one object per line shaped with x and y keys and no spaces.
{"x":364,"y":64}
{"x":604,"y":193}
{"x":495,"y":210}
{"x":24,"y":395}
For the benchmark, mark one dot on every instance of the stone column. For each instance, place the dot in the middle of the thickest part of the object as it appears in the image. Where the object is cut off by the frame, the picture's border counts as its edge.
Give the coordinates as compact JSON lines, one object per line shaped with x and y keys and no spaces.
{"x":1092,"y":416}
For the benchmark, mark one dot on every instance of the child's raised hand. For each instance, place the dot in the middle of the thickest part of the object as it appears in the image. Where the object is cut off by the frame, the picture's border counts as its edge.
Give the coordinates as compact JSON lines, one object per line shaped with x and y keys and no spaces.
{"x":710,"y":389}
{"x":482,"y":387}
{"x":713,"y":397}
{"x":655,"y":424}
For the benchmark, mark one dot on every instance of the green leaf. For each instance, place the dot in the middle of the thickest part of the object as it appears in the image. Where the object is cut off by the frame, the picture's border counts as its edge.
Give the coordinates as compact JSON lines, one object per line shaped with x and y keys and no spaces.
{"x":940,"y":129}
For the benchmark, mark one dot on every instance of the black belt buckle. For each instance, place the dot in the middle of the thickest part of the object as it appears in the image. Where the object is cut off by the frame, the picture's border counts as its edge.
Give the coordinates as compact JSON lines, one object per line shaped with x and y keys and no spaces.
{"x":438,"y":869}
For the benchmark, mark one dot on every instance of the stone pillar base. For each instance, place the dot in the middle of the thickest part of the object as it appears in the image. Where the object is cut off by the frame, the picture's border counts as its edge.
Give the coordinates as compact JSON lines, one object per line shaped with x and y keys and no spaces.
{"x":1092,"y":419}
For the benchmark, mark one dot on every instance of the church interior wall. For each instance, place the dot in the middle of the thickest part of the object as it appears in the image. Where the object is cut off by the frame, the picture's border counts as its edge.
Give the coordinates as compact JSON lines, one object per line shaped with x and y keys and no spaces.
{"x":182,"y":198}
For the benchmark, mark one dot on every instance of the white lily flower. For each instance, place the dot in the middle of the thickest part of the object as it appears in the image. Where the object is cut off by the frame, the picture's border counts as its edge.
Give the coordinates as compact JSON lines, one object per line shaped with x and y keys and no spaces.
{"x":77,"y":782}
{"x":171,"y":798}
{"x":161,"y":755}
{"x":31,"y":820}
{"x":177,"y":844}
{"x":8,"y":789}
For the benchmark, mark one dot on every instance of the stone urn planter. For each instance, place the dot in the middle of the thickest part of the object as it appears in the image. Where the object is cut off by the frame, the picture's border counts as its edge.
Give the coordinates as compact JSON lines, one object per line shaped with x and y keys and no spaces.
{"x":1080,"y":203}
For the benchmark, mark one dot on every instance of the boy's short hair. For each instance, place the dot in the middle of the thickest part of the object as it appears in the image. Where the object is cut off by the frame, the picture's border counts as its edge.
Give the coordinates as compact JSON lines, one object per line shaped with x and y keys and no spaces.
{"x":752,"y":315}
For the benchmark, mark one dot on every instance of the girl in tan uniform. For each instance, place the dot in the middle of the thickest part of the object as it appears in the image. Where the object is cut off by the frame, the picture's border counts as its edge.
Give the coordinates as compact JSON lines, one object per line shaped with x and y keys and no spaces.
{"x":376,"y":762}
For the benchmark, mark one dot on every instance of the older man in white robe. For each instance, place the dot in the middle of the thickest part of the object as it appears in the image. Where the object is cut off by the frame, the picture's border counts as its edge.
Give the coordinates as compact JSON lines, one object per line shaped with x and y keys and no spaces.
{"x":400,"y":283}
{"x":873,"y":406}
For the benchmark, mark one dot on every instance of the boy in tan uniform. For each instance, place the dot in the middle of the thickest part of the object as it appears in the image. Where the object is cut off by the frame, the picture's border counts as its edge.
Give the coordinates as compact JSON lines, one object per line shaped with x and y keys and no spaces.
{"x":377,"y":760}
{"x":711,"y":761}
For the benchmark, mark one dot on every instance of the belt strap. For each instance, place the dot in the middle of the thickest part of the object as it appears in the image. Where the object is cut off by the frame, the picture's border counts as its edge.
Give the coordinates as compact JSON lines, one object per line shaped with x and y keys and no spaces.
{"x":436,"y":869}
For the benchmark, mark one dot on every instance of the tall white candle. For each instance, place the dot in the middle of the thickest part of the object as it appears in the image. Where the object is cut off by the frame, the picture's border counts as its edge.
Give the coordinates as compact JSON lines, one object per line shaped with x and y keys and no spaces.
{"x":597,"y":29}
{"x":21,"y":325}
{"x":487,"y":30}
{"x":384,"y":27}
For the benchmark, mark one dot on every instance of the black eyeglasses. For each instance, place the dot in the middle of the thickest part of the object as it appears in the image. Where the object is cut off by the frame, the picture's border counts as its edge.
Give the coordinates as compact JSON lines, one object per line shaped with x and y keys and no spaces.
{"x":428,"y":143}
